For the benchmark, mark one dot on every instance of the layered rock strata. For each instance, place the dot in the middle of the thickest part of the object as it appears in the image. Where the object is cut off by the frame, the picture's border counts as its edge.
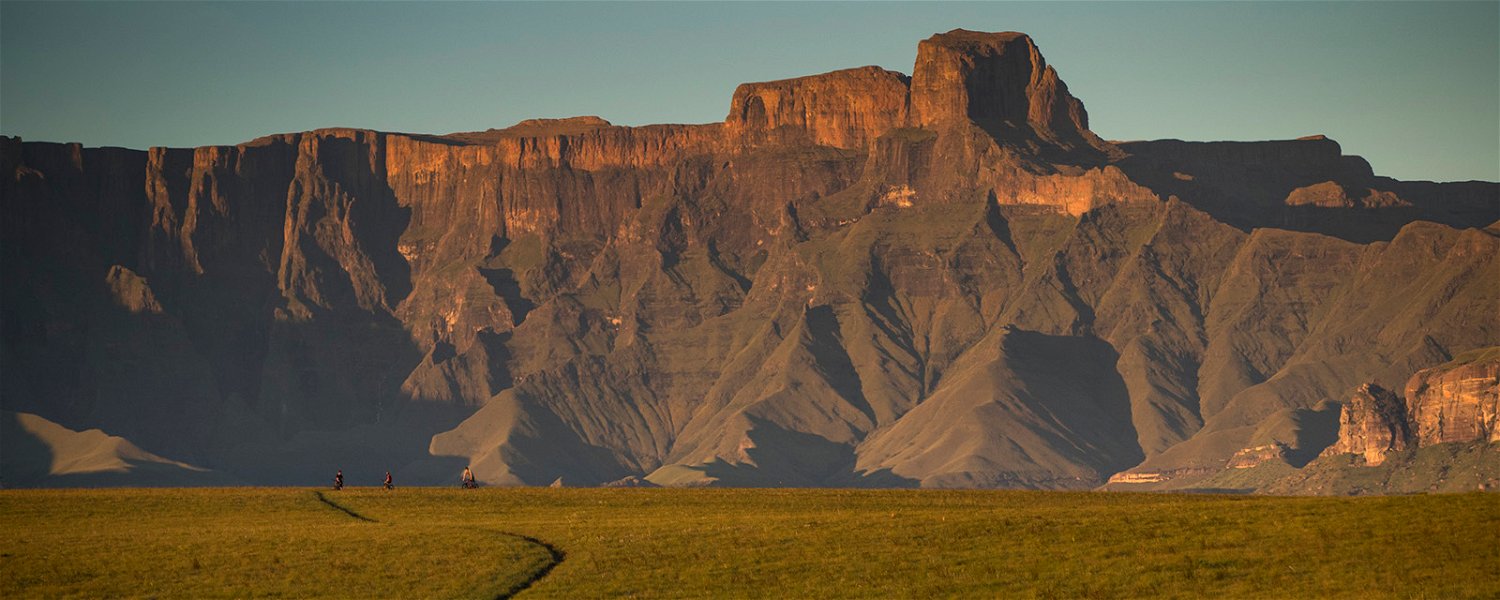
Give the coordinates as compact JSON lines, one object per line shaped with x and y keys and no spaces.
{"x":1456,"y":402}
{"x":1372,"y":425}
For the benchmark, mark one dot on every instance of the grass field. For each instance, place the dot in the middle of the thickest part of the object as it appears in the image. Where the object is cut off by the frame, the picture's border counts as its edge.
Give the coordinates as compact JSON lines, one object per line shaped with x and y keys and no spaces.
{"x":428,"y":543}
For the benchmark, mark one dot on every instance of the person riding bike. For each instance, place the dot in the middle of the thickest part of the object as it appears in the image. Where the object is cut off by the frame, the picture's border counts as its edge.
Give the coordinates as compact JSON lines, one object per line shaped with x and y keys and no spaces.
{"x":338,"y":480}
{"x":388,"y":483}
{"x":468,"y":479}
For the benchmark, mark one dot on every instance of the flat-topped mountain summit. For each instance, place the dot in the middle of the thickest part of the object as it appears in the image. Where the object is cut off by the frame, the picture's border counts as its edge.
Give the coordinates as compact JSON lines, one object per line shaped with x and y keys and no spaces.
{"x":858,"y":278}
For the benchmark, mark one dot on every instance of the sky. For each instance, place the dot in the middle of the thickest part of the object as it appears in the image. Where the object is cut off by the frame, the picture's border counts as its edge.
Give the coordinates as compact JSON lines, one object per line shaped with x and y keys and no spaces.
{"x":1412,"y":87}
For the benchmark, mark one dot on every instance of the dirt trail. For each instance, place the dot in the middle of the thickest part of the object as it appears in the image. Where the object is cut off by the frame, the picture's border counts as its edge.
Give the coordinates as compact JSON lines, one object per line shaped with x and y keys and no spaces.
{"x":554,"y":554}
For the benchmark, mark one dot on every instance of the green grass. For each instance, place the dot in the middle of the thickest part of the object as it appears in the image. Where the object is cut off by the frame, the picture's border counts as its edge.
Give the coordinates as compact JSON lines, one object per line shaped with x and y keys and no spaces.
{"x":241,"y":542}
{"x":739,"y":543}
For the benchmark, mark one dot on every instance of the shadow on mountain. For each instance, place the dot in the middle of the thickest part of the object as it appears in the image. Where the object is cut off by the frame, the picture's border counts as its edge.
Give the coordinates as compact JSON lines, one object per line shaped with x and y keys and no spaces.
{"x":377,"y":215}
{"x":514,"y":440}
{"x":1303,"y":432}
{"x":1250,"y":185}
{"x":832,"y":360}
{"x":35,"y":452}
{"x":503,"y":282}
{"x":363,"y":451}
{"x":784,"y":458}
{"x":1320,"y":430}
{"x":554,"y":453}
{"x":25,"y":460}
{"x":1026,"y":410}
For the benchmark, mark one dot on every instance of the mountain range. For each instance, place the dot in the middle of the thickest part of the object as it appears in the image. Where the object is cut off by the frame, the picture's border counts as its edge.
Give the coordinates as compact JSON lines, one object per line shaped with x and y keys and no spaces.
{"x":858,"y":278}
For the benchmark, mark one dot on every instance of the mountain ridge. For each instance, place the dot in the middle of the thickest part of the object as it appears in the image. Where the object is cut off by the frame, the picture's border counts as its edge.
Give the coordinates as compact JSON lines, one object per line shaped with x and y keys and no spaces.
{"x":794,"y":296}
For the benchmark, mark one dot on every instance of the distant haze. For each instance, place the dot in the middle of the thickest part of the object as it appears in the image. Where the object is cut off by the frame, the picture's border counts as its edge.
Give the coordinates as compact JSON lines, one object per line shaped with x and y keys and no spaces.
{"x":1413,"y":87}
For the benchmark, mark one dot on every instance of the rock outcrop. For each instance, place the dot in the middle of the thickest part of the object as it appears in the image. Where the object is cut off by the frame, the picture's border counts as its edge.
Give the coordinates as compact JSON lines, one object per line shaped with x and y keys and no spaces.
{"x":1441,"y":438}
{"x":1458,"y":401}
{"x":1372,"y":425}
{"x":842,"y":109}
{"x":1248,"y":458}
{"x":1330,"y":194}
{"x":855,"y":279}
{"x":1455,"y":402}
{"x":999,"y":81}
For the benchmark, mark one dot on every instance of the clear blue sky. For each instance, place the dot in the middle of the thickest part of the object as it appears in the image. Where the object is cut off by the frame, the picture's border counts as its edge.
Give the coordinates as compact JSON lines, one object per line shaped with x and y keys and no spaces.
{"x":1413,"y":87}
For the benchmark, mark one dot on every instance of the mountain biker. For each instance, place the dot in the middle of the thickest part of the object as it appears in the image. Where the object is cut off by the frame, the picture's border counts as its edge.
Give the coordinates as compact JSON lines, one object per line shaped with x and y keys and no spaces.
{"x":338,"y":480}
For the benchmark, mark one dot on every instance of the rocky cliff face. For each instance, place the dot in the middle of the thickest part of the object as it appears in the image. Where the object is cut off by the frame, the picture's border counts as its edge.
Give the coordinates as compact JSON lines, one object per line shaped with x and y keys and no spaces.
{"x":1456,"y":402}
{"x":855,"y":279}
{"x":842,"y":109}
{"x":998,"y":81}
{"x":1439,"y":438}
{"x":1372,"y":424}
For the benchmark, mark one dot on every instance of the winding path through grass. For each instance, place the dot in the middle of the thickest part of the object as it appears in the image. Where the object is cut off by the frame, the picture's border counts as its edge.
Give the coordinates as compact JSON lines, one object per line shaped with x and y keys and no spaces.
{"x":716,"y":543}
{"x":343,"y":509}
{"x":556,"y":555}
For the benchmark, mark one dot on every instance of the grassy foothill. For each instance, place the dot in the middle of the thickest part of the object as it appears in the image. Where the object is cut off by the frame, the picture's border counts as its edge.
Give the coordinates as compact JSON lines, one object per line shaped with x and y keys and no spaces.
{"x":573,"y":543}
